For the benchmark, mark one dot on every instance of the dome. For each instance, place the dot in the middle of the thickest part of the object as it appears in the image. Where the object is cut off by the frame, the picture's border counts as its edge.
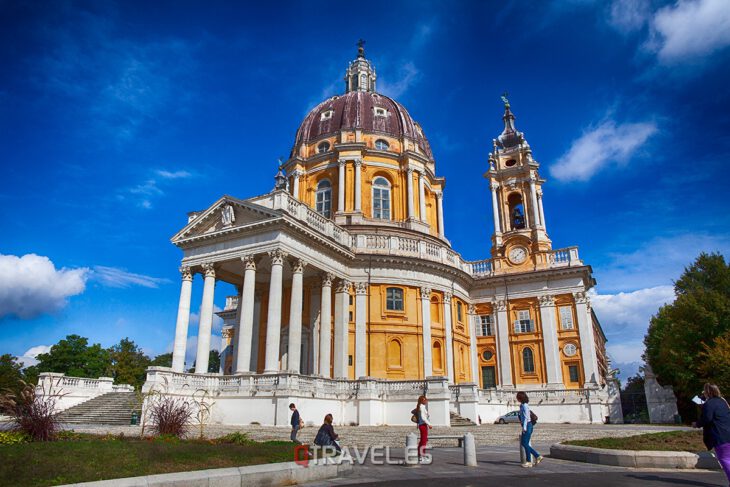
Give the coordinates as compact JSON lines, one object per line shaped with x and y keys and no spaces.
{"x":357,"y":110}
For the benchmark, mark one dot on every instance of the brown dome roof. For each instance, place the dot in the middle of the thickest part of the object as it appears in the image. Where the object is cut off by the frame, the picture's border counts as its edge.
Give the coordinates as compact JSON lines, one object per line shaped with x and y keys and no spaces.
{"x":356,"y":110}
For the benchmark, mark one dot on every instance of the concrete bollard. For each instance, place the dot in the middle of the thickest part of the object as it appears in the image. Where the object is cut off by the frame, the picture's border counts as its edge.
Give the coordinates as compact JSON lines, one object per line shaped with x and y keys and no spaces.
{"x":411,"y":450}
{"x":470,"y":451}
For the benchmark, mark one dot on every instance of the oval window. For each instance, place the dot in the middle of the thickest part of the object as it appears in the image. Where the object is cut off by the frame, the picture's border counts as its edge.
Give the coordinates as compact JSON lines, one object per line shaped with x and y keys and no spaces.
{"x":510,"y":163}
{"x":487,"y":355}
{"x":570,"y":349}
{"x":381,"y":144}
{"x":323,"y":147}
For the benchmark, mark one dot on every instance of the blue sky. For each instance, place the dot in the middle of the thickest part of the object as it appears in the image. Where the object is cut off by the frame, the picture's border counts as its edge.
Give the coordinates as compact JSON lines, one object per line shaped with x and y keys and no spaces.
{"x":118,"y":118}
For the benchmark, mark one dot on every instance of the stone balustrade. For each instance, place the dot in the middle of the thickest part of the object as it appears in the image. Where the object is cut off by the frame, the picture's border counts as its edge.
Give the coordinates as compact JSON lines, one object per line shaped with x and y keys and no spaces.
{"x":71,"y":391}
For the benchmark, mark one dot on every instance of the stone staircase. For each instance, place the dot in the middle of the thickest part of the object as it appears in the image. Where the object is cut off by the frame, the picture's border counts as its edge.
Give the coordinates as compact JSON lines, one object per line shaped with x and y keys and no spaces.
{"x":457,"y":420}
{"x":111,"y":408}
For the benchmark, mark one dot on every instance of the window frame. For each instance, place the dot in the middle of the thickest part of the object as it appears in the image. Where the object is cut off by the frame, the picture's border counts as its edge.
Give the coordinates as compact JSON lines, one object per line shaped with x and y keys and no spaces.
{"x":569,"y":309}
{"x":489,"y":326}
{"x":523,"y":325}
{"x":394,"y":299}
{"x":323,"y":147}
{"x":379,"y":144}
{"x":529,"y":350}
{"x":572,"y":367}
{"x":326,"y":115}
{"x":326,"y":200}
{"x":385,"y":213}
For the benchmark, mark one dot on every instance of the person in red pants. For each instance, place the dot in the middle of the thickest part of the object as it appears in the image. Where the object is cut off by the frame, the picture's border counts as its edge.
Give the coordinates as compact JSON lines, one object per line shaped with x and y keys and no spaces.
{"x":424,"y":424}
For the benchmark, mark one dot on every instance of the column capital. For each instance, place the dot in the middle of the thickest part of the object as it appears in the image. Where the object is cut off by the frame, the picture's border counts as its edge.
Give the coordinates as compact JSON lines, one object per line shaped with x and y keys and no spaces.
{"x":343,"y":286}
{"x":472,"y":310}
{"x":209,"y":269}
{"x":546,"y":300}
{"x":447,"y":297}
{"x":425,"y":292}
{"x":186,"y":273}
{"x":249,"y":262}
{"x":277,"y":256}
{"x":357,"y":162}
{"x":297,"y":265}
{"x":297,"y":173}
{"x":539,"y":193}
{"x":327,"y":279}
{"x":341,"y":162}
{"x":410,"y":170}
{"x":361,"y":288}
{"x":439,"y":194}
{"x":501,"y":305}
{"x":581,"y":297}
{"x":532,"y":180}
{"x":494,"y":185}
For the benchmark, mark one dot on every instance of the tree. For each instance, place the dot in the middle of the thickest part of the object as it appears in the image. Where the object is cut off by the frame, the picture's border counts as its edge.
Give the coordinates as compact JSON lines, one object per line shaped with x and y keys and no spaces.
{"x":74,"y":357}
{"x":687,"y":339}
{"x":164,"y":360}
{"x":214,"y":363}
{"x":128,"y":363}
{"x":11,"y":373}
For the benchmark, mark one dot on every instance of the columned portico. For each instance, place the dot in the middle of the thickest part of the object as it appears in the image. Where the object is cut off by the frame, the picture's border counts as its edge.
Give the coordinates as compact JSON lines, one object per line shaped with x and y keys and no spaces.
{"x":427,"y":347}
{"x":206,"y":320}
{"x":325,"y":326}
{"x":449,"y":337}
{"x":273,"y":321}
{"x":245,"y":326}
{"x":183,"y":319}
{"x":295,"y":316}
{"x":342,"y":297}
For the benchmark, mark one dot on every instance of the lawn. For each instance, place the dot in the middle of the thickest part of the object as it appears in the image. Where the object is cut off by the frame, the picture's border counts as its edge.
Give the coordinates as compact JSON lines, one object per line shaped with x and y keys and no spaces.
{"x":690,"y":441}
{"x":86,"y":458}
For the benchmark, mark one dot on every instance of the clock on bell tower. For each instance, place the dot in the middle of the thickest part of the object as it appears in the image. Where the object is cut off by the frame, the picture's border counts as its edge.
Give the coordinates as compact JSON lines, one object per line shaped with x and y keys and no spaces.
{"x":520,"y":240}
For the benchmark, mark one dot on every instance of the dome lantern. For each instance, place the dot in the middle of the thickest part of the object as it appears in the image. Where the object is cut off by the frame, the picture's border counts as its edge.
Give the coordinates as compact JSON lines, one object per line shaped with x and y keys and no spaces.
{"x":360,"y":74}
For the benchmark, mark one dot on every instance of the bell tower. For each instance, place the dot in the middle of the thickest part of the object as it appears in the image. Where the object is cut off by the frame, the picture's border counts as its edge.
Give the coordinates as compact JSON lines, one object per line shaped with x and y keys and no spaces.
{"x":520,"y":240}
{"x":360,"y":75}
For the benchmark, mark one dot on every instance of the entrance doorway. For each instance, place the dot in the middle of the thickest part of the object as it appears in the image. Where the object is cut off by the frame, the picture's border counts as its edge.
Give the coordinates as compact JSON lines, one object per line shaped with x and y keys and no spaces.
{"x":489,"y":378}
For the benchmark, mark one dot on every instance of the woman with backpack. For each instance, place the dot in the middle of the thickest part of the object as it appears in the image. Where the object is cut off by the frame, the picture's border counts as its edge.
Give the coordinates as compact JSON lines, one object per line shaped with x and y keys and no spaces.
{"x":527,"y":421}
{"x":715,"y":422}
{"x":326,"y":435}
{"x":423,"y":419}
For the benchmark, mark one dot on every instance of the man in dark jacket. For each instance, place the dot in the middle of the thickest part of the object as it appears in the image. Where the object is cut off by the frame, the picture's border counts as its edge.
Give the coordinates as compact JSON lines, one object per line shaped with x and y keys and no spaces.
{"x":295,"y":423}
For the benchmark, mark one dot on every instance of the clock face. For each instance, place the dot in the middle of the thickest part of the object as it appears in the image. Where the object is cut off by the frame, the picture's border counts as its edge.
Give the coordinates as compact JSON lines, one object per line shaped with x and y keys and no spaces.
{"x":517,"y":255}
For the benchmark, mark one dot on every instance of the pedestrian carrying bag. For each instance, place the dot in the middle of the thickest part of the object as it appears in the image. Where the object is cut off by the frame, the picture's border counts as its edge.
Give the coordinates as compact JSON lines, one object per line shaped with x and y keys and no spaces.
{"x":533,"y":417}
{"x":414,"y":416}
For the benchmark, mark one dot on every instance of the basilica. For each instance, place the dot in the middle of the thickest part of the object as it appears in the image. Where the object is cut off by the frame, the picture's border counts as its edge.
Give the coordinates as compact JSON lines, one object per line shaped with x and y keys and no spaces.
{"x":352,"y":301}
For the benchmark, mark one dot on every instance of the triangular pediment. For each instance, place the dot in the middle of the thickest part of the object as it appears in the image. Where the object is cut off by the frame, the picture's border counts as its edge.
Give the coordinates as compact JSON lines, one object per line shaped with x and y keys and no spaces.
{"x":226,"y":213}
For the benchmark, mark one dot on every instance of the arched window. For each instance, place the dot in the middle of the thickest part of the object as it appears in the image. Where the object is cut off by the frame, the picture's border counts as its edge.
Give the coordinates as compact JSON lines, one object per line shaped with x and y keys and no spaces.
{"x":516,"y":211}
{"x":381,"y":144}
{"x":437,"y":357}
{"x":323,"y":147}
{"x":394,"y":299}
{"x":324,"y":198}
{"x":528,"y":361}
{"x":381,"y":199}
{"x":395,"y":358}
{"x":363,"y":82}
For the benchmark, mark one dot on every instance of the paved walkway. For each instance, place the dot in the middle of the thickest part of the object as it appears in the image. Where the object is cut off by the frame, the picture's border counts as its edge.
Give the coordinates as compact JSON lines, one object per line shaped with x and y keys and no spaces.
{"x":499,"y":466}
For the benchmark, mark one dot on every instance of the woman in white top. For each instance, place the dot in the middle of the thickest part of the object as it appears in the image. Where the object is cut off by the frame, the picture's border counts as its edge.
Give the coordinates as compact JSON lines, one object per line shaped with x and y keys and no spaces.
{"x":424,"y":424}
{"x":526,"y":423}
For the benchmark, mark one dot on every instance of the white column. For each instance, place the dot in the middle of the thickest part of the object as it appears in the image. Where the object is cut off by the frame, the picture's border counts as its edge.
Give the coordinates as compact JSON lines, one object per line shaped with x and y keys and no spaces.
{"x":539,"y":206}
{"x":358,"y":185}
{"x":587,"y":341}
{"x":295,"y":316}
{"x":361,"y":302}
{"x":449,"y":339}
{"x":409,"y":181}
{"x":472,"y":322}
{"x":325,"y":326}
{"x":235,"y":333}
{"x":422,"y":196}
{"x":550,"y":341}
{"x":342,"y":329}
{"x":533,"y":198}
{"x":314,"y":303}
{"x":427,"y":346}
{"x":495,"y":208}
{"x":341,"y":189}
{"x":440,"y":214}
{"x":273,"y":321}
{"x":503,"y":346}
{"x":206,"y":321}
{"x":255,"y":338}
{"x":183,"y":319}
{"x":244,"y":336}
{"x":295,"y":192}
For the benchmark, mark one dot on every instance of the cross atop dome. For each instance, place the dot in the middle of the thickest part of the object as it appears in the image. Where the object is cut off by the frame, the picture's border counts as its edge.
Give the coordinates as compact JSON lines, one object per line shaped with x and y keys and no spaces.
{"x":360,"y":74}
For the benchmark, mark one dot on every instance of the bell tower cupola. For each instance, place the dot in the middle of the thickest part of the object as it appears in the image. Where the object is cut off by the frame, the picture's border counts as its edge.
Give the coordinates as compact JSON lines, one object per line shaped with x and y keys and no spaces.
{"x":520,"y":240}
{"x":360,"y":75}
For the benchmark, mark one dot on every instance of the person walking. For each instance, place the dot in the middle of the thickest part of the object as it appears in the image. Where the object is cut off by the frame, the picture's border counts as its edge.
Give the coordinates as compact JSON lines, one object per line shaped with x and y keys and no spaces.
{"x":715,"y":422}
{"x":527,"y":427}
{"x":424,"y":424}
{"x":326,"y":435}
{"x":296,"y":423}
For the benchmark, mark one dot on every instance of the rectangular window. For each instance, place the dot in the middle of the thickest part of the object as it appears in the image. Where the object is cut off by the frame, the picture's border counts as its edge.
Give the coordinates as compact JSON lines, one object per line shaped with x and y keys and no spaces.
{"x":566,"y":317}
{"x":394,"y":299}
{"x":524,"y":324}
{"x":486,"y":327}
{"x":350,"y":300}
{"x":573,"y":373}
{"x":459,"y":313}
{"x":349,"y":360}
{"x":324,"y":203}
{"x":350,"y":316}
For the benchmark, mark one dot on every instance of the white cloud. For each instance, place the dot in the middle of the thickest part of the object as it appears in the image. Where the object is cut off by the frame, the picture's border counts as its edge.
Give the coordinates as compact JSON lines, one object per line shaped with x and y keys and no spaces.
{"x":408,"y":75}
{"x":173,"y":174}
{"x":609,"y":143}
{"x":31,"y":285}
{"x":120,"y":278}
{"x":628,"y":313}
{"x":690,"y":29}
{"x":145,"y":192}
{"x":629,"y":15}
{"x":29,"y":357}
{"x":217,"y":320}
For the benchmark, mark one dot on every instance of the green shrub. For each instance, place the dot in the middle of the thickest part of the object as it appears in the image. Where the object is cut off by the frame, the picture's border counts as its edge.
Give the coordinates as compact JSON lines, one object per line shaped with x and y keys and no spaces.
{"x":236,"y":438}
{"x":13,"y":437}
